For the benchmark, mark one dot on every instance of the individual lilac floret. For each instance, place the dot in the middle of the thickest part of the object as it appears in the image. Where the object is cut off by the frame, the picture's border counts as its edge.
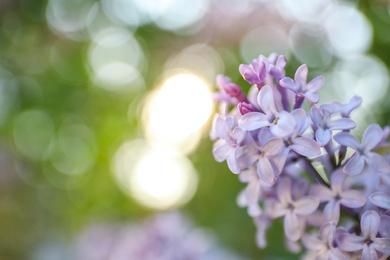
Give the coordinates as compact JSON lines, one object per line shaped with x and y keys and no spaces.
{"x":226,"y":147}
{"x":335,"y":195}
{"x":363,"y":152}
{"x":324,"y":125}
{"x":233,"y":90}
{"x":324,"y":247}
{"x":292,"y":210}
{"x":300,"y":86}
{"x":344,"y":109}
{"x":368,"y":241}
{"x":246,"y":108}
{"x":281,"y":123}
{"x":380,"y":199}
{"x":254,"y":73}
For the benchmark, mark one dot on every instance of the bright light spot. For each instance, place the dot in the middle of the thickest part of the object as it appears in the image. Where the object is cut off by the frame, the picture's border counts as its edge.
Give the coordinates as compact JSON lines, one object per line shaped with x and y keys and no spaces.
{"x":264,"y":40}
{"x":362,"y":75}
{"x":125,"y":11}
{"x":33,"y":133}
{"x":70,"y":16}
{"x":308,"y":11}
{"x":157,"y":178}
{"x":349,"y":31}
{"x":115,"y":59}
{"x":200,"y":59}
{"x":173,"y":14}
{"x":309,"y":46}
{"x":178,"y":110}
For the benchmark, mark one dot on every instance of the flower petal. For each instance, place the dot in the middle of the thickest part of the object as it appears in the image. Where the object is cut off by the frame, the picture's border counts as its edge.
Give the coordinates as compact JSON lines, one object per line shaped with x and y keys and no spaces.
{"x":306,"y":205}
{"x":350,"y":243}
{"x":289,"y":84}
{"x":322,"y":192}
{"x":352,"y":199}
{"x":272,"y":147}
{"x":299,"y":116}
{"x":306,"y":147}
{"x":377,"y":162}
{"x":380,"y":199}
{"x":382,"y":245}
{"x":233,"y":163}
{"x":284,"y":190}
{"x":347,"y":140}
{"x":342,"y":124}
{"x":315,"y":84}
{"x":221,"y":150}
{"x":369,"y":253}
{"x":312,"y":97}
{"x":371,"y":137}
{"x":222,"y":128}
{"x":316,"y":116}
{"x":384,"y":227}
{"x":327,"y":232}
{"x":265,"y":170}
{"x":354,"y":165}
{"x":332,"y":212}
{"x":312,"y":243}
{"x":369,"y":223}
{"x":285,"y":125}
{"x":291,"y":225}
{"x":323,"y":136}
{"x":266,"y":99}
{"x":300,"y":77}
{"x":252,"y":121}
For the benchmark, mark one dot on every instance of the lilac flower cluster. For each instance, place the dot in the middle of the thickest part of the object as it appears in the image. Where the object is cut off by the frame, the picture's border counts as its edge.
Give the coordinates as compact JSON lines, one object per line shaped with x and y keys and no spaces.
{"x":332,"y":191}
{"x":165,"y":236}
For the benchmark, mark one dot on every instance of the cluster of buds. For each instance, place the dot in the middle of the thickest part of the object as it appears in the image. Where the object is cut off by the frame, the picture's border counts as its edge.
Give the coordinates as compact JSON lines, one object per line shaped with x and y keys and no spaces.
{"x":332,"y":191}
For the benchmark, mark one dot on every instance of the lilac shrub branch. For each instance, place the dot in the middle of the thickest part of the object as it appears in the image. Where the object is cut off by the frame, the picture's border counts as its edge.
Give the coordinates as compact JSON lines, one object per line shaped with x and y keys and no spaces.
{"x":270,"y":141}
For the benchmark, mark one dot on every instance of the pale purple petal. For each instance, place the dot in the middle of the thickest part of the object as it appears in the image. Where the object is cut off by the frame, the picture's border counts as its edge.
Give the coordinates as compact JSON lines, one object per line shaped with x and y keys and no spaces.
{"x":281,"y":62}
{"x":327,"y":232}
{"x":248,"y":74}
{"x":284,"y":126}
{"x":239,"y":134}
{"x":312,"y":97}
{"x":252,"y":121}
{"x":322,"y":192}
{"x":347,"y":140}
{"x":369,"y":223}
{"x":306,"y":205}
{"x":350,"y":243}
{"x":316,"y":116}
{"x":291,"y":225}
{"x":272,"y":147}
{"x":252,"y":191}
{"x":265,"y":170}
{"x":306,"y":147}
{"x":377,"y":162}
{"x":289,"y":84}
{"x":352,"y":199}
{"x":254,"y":210}
{"x":332,"y":212}
{"x":353,"y":103}
{"x":264,"y":135}
{"x":337,"y":180}
{"x":300,"y":119}
{"x":221,"y":150}
{"x":335,"y":254}
{"x":371,"y":137}
{"x":222,"y":129}
{"x":354,"y":165}
{"x":384,"y":227}
{"x":233,"y":163}
{"x":301,"y":75}
{"x":369,"y":253}
{"x":266,"y":99}
{"x":315,"y":84}
{"x":284,"y":190}
{"x":380,"y":199}
{"x":280,"y":160}
{"x":342,"y":124}
{"x":312,"y":243}
{"x":323,"y":136}
{"x":382,"y":245}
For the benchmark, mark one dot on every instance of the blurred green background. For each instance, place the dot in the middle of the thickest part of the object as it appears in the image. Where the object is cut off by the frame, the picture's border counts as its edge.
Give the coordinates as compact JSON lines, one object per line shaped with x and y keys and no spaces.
{"x":82,"y":105}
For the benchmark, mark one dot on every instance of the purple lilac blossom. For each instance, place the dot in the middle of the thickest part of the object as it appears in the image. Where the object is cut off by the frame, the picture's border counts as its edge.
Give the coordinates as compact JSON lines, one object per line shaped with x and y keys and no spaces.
{"x":266,"y":138}
{"x":363,"y":152}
